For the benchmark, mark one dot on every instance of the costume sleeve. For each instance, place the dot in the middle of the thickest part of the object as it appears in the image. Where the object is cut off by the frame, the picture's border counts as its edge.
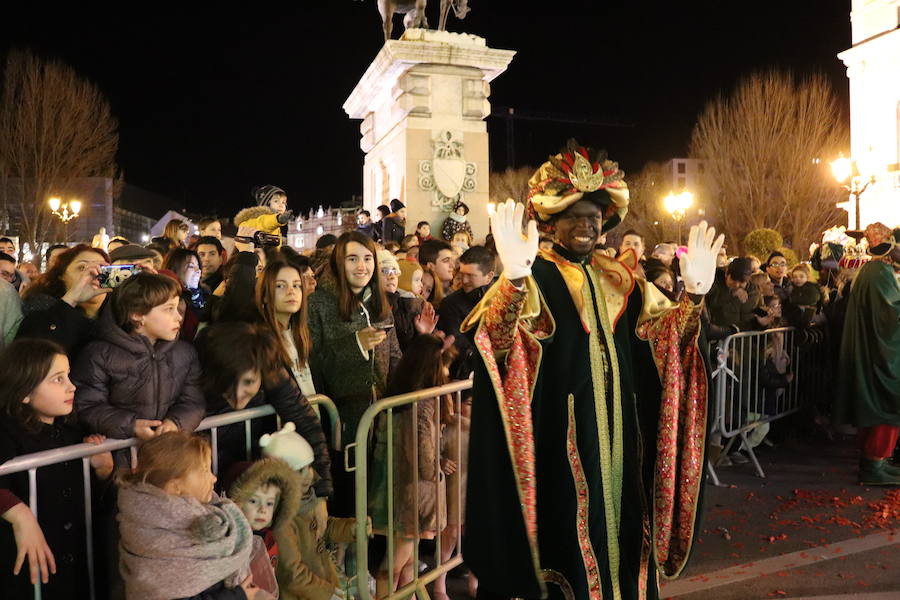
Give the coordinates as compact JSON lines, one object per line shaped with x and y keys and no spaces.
{"x":92,"y":406}
{"x":340,"y":531}
{"x":190,"y":405}
{"x":294,"y":577}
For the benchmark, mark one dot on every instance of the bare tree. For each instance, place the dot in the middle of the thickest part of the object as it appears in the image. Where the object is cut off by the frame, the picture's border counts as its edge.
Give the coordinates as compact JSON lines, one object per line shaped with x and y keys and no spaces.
{"x":766,"y":148}
{"x":55,"y":127}
{"x":511,"y":183}
{"x":646,"y":214}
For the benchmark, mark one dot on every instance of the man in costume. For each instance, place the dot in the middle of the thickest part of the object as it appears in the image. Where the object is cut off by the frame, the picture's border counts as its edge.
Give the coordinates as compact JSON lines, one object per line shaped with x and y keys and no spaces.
{"x":587,"y":442}
{"x":869,"y":370}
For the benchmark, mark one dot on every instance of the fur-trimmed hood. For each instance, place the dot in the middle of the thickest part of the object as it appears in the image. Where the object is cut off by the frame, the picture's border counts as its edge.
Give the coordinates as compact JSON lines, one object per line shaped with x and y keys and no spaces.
{"x":276,"y":471}
{"x":252,"y":213}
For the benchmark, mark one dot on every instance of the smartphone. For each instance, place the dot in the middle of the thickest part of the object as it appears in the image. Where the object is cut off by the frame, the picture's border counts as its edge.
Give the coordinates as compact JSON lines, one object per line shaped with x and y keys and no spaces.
{"x":112,"y":276}
{"x":382,"y":326}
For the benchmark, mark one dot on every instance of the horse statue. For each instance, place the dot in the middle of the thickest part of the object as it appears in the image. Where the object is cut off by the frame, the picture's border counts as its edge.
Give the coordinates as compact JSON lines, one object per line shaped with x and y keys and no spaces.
{"x":460,"y":9}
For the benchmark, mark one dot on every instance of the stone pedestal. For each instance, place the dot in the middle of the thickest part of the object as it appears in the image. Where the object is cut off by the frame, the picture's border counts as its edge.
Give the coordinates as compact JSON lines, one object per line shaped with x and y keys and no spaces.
{"x":422,"y":102}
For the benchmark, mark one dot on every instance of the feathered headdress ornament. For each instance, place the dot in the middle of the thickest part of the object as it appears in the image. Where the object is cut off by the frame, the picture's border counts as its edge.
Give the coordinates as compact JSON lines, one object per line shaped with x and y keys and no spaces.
{"x":576,"y":173}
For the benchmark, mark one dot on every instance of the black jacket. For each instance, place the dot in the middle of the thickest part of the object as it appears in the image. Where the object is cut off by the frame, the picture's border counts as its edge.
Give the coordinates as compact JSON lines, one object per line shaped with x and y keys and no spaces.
{"x":392,"y":229}
{"x":49,"y":318}
{"x":289,"y":405}
{"x":452,"y":312}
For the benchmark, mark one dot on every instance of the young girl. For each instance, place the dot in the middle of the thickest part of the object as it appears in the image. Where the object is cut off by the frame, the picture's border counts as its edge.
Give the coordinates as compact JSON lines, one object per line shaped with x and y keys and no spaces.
{"x":282,"y":303}
{"x":175,"y":233}
{"x":419,"y":470}
{"x":255,"y":376}
{"x":186,"y":265}
{"x":138,"y":379}
{"x":178,"y":538}
{"x":35,"y":399}
{"x":354,"y":343}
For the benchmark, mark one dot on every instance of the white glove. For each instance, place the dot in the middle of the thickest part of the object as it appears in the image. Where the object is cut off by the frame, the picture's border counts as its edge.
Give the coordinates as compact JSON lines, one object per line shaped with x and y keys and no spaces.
{"x":698,"y":266}
{"x":516,"y":251}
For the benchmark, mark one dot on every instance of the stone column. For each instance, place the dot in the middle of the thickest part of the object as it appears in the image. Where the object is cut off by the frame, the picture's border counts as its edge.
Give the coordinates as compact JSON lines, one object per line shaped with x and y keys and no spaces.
{"x":422,"y":102}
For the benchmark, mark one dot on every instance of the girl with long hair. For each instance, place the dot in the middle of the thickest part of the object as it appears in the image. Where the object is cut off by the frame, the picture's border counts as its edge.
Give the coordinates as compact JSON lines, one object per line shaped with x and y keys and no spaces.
{"x":186,"y":265}
{"x":175,"y":233}
{"x":35,"y":401}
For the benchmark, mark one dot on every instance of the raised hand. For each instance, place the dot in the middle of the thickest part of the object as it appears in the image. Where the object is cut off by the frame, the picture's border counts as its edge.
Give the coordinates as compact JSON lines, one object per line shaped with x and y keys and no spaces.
{"x":698,"y":266}
{"x":85,"y":288}
{"x":516,"y":251}
{"x":426,"y":321}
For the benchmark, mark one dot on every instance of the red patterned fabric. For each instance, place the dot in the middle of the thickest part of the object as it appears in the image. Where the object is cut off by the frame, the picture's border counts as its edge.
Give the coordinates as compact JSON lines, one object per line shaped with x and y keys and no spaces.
{"x":681,"y":432}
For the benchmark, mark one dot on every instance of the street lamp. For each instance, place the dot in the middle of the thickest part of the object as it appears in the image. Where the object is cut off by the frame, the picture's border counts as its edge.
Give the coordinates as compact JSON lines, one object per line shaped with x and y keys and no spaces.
{"x":846,"y":171}
{"x":66,"y":211}
{"x":677,"y":205}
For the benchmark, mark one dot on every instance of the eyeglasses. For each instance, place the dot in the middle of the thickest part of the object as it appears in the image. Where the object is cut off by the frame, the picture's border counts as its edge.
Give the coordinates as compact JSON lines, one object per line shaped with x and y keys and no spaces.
{"x":778,"y":264}
{"x":390,"y":271}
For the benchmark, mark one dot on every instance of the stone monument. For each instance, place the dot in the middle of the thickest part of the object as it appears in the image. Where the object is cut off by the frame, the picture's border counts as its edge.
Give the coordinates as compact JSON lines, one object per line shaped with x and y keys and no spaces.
{"x":422,"y":102}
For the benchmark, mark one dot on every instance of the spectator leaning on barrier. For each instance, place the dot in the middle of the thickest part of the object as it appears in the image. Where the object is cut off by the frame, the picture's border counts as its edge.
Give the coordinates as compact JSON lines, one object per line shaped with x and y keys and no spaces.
{"x":412,"y":315}
{"x":777,"y":268}
{"x":731,"y":301}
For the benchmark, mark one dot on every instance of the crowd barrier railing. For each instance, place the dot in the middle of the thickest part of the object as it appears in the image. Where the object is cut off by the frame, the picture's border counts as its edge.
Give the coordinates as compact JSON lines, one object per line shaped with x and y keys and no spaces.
{"x":32,"y":462}
{"x":377,"y":424}
{"x":745,"y":396}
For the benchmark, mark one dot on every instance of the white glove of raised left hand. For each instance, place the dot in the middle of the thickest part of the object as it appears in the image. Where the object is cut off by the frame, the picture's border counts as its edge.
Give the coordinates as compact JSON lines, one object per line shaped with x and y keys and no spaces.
{"x":698,"y":266}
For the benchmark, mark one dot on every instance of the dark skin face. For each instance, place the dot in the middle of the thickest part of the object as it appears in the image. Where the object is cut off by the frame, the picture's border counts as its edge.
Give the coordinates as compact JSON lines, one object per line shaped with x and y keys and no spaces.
{"x":578,"y":227}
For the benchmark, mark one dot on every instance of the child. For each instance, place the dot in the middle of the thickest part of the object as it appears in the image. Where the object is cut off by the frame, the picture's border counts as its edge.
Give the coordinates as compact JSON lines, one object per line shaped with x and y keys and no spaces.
{"x":423,"y":231}
{"x":417,"y":475}
{"x":138,"y":379}
{"x":305,"y":569}
{"x":268,"y":493}
{"x":270,"y":212}
{"x":456,"y":221}
{"x":805,"y":295}
{"x":35,"y":399}
{"x":178,"y":538}
{"x":460,"y":242}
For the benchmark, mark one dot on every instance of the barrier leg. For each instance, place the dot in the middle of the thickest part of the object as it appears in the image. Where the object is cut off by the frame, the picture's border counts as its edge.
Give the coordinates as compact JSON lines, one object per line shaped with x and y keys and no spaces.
{"x":711,"y":470}
{"x":759,"y":471}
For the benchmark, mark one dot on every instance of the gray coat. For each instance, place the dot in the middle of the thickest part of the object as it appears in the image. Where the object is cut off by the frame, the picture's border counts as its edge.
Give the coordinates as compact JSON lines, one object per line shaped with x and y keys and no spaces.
{"x":121,"y":377}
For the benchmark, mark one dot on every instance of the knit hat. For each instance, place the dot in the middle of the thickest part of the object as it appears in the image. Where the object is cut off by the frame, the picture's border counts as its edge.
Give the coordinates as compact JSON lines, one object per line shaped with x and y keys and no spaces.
{"x":386,"y":259}
{"x":289,"y":446}
{"x":407,"y":270}
{"x":396,"y":205}
{"x":264,"y":193}
{"x":130,"y":252}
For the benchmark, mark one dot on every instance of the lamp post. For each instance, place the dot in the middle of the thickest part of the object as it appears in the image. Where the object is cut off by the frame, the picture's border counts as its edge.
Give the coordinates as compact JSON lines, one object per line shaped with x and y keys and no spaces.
{"x":66,"y":211}
{"x":846,"y":171}
{"x":677,"y":205}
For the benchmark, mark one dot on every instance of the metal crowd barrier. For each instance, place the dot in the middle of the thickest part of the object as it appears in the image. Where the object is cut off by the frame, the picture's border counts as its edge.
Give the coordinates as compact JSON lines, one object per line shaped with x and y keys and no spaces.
{"x":370,"y":426}
{"x":743,"y":400}
{"x":32,"y":462}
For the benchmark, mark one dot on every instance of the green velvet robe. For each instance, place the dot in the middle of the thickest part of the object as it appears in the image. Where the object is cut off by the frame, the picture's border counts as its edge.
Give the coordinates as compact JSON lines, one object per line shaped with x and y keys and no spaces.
{"x":869,"y":368}
{"x":573,"y":550}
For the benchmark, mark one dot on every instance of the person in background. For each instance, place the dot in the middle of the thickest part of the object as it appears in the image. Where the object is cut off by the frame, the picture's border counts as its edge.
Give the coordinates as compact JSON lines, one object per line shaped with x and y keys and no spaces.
{"x":476,"y":272}
{"x":460,"y":243}
{"x":457,"y":220}
{"x":436,"y":258}
{"x":8,"y":247}
{"x":35,"y":401}
{"x":662,"y":277}
{"x":354,"y":345}
{"x":412,"y":315}
{"x":185,"y":265}
{"x":364,"y":223}
{"x":9,"y":272}
{"x":10,"y":313}
{"x":212,"y":256}
{"x":731,"y":302}
{"x":28,"y":270}
{"x":52,"y":254}
{"x":138,"y":379}
{"x":179,"y":539}
{"x":633,"y":241}
{"x":270,"y":212}
{"x":62,"y":305}
{"x":322,"y":254}
{"x":806,"y":296}
{"x":393,"y":226}
{"x":101,"y":239}
{"x":132,"y":254}
{"x":175,"y":234}
{"x":755,"y":264}
{"x":116,"y":242}
{"x":209,"y":227}
{"x":423,"y":232}
{"x":665,"y":253}
{"x":159,"y":254}
{"x":777,"y":267}
{"x":409,"y":248}
{"x":383,"y":211}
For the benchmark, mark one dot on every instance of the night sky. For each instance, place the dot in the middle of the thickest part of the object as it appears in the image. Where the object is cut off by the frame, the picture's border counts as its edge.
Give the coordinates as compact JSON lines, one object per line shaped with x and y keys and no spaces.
{"x":212,"y":102}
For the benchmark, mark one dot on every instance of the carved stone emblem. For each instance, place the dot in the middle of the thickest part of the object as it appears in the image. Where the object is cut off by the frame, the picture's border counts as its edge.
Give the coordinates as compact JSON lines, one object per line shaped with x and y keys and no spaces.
{"x":447,"y":175}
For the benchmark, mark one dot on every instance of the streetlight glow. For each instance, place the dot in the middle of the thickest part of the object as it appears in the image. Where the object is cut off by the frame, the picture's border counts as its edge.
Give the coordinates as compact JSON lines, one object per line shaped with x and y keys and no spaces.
{"x":842,"y":168}
{"x":54,"y":204}
{"x":75,"y":205}
{"x":677,"y":205}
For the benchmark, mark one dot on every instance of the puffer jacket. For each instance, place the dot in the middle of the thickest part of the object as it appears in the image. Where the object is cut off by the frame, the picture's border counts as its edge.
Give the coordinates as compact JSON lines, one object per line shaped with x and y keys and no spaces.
{"x":340,"y":369}
{"x":262,"y":218}
{"x":121,"y":377}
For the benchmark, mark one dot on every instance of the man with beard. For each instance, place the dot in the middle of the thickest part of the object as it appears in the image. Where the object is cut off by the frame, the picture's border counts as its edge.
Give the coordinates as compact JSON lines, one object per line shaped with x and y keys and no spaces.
{"x":584,"y":470}
{"x":869,"y":369}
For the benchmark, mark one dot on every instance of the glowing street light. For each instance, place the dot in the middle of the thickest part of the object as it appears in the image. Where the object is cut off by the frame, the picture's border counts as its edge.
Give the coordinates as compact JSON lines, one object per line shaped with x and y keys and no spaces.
{"x":677,"y":206}
{"x":66,"y":211}
{"x":846,"y":172}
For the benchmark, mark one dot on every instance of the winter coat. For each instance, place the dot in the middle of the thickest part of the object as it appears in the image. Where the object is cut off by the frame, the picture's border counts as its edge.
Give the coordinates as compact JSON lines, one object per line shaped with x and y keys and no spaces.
{"x":417,"y":478}
{"x":340,"y":369}
{"x":368,"y":229}
{"x":393,"y":229}
{"x":405,"y":306}
{"x":289,"y":405}
{"x":10,"y":313}
{"x":452,"y":311}
{"x":725,"y":310}
{"x":269,"y":470}
{"x":121,"y":377}
{"x":49,"y":318}
{"x":305,"y":570}
{"x":262,"y":218}
{"x":175,"y":546}
{"x":60,"y":511}
{"x":453,"y":224}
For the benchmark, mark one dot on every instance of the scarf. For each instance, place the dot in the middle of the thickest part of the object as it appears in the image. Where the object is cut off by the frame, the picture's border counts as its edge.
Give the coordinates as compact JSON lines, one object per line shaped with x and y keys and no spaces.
{"x":458,"y":218}
{"x":176,"y":547}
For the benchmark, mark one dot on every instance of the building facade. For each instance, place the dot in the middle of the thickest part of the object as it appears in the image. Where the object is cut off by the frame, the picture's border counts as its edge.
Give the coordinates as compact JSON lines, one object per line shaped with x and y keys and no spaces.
{"x":873,"y":67}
